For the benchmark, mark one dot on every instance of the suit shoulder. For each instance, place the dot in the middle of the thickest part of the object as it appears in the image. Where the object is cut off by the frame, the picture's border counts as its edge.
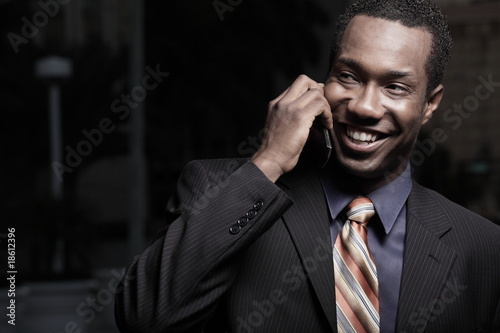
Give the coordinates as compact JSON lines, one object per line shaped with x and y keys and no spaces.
{"x":462,"y":219}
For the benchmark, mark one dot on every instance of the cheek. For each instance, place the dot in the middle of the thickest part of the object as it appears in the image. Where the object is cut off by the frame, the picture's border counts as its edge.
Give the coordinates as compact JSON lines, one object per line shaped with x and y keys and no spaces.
{"x":412,"y":121}
{"x":333,"y":94}
{"x":407,"y":114}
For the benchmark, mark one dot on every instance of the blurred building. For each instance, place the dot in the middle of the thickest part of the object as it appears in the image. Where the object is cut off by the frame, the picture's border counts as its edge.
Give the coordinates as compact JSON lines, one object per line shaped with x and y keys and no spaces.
{"x":85,"y":21}
{"x":469,"y":113}
{"x":66,"y":275}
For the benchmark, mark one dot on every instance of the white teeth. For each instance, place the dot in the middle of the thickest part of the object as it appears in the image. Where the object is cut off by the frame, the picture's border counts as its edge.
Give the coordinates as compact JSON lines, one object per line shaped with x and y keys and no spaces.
{"x":362,"y":136}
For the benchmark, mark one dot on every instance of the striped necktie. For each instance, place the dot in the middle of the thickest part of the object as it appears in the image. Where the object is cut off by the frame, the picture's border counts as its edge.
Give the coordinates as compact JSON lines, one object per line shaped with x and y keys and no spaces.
{"x":356,"y":283}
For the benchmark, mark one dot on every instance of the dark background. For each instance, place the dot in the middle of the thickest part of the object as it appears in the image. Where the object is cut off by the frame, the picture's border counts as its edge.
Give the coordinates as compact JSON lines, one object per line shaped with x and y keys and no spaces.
{"x":223,"y":70}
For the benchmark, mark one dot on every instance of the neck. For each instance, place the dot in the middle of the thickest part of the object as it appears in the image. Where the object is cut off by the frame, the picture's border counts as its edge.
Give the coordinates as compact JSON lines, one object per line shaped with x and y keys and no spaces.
{"x":348,"y":181}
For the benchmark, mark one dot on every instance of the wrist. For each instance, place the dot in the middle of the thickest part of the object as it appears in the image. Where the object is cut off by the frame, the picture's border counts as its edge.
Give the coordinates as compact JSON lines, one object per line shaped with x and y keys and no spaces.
{"x":268,"y":166}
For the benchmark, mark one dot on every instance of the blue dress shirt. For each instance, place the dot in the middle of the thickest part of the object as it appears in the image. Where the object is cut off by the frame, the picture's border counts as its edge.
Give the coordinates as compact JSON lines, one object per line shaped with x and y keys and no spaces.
{"x":386,"y":236}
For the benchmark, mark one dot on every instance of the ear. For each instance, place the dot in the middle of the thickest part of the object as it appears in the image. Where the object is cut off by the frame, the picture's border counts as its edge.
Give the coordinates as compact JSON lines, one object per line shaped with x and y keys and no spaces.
{"x":432,"y":103}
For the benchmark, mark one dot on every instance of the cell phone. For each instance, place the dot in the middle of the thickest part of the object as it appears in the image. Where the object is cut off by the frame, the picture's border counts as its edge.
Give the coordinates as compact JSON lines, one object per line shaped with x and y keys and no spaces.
{"x":327,"y":147}
{"x":319,"y":146}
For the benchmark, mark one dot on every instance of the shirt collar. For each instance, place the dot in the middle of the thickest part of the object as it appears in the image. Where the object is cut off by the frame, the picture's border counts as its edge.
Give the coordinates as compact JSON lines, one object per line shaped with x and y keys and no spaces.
{"x":388,"y":199}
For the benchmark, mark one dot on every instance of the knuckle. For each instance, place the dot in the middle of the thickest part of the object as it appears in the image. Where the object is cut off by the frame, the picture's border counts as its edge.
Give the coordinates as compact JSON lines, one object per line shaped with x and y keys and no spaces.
{"x":317,"y":94}
{"x":316,"y":104}
{"x":283,"y":107}
{"x":278,"y":105}
{"x":303,"y":78}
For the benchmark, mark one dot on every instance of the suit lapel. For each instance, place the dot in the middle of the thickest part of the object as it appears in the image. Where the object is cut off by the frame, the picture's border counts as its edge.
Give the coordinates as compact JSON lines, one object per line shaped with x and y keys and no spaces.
{"x":308,"y":223}
{"x":427,"y":260}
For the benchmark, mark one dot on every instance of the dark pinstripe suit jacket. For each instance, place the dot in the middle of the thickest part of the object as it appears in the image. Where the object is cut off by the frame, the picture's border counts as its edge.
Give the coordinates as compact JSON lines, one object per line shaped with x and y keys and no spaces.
{"x":274,"y":272}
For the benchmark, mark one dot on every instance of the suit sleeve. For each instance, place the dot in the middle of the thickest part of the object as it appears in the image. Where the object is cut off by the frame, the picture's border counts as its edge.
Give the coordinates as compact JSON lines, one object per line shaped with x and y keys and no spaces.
{"x":177,"y":282}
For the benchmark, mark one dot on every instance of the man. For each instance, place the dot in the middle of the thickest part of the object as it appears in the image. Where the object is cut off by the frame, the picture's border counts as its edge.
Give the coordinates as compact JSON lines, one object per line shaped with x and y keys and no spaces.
{"x":250,"y":245}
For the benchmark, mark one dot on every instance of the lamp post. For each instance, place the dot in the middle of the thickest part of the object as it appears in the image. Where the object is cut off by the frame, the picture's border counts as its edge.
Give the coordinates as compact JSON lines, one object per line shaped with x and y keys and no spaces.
{"x":54,"y":69}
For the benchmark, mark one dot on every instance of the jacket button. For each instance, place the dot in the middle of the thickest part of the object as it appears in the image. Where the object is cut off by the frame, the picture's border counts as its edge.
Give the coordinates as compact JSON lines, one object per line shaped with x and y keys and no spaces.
{"x":234,"y":229}
{"x":258,"y":205}
{"x":251,"y":214}
{"x":242,"y":221}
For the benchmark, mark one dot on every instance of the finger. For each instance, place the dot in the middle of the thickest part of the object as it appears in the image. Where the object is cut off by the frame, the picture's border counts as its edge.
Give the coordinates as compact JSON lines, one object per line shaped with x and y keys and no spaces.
{"x":324,"y":114}
{"x":280,"y":96}
{"x":300,"y":86}
{"x":312,"y":103}
{"x":308,"y":107}
{"x":324,"y":109}
{"x":318,"y":105}
{"x":327,"y":117}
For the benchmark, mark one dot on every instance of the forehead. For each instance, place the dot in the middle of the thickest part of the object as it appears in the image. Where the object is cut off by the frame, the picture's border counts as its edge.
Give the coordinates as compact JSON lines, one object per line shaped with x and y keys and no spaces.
{"x":387,"y":44}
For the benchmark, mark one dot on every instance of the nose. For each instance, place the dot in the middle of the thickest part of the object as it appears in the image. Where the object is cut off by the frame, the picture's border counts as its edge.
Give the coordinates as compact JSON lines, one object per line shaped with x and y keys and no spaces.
{"x":365,"y":104}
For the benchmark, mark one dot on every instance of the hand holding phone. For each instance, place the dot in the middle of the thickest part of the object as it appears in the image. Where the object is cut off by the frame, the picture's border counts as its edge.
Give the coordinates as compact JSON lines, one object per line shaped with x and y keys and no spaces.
{"x":289,"y":124}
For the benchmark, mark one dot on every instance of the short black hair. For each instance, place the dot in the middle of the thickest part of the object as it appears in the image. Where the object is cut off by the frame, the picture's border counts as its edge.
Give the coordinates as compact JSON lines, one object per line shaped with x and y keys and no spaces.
{"x":412,"y":14}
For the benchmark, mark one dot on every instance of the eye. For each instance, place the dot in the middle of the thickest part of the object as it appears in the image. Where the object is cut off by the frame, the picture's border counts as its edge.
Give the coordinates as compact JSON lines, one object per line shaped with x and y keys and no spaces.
{"x":346,"y":77}
{"x":397,"y":89}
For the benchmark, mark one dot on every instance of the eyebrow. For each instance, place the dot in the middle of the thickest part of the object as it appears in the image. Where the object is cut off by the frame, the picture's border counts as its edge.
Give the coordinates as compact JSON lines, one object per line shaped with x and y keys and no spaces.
{"x":356,"y":64}
{"x":349,"y":62}
{"x":400,"y":73}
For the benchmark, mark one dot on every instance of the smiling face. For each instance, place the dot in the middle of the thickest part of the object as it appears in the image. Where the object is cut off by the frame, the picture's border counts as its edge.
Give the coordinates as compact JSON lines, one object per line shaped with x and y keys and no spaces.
{"x":377,"y":92}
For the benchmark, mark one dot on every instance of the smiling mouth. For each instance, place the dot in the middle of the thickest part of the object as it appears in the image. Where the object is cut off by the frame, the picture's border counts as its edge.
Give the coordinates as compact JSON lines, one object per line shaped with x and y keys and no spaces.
{"x":362,"y":137}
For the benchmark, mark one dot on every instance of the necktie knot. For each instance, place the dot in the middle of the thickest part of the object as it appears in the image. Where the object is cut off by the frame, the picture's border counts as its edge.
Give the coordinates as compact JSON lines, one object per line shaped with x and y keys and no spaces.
{"x":360,"y":210}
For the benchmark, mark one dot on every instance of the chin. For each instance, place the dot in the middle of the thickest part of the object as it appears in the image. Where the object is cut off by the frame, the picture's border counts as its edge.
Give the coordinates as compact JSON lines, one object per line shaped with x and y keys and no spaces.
{"x":363,"y":172}
{"x":365,"y":169}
